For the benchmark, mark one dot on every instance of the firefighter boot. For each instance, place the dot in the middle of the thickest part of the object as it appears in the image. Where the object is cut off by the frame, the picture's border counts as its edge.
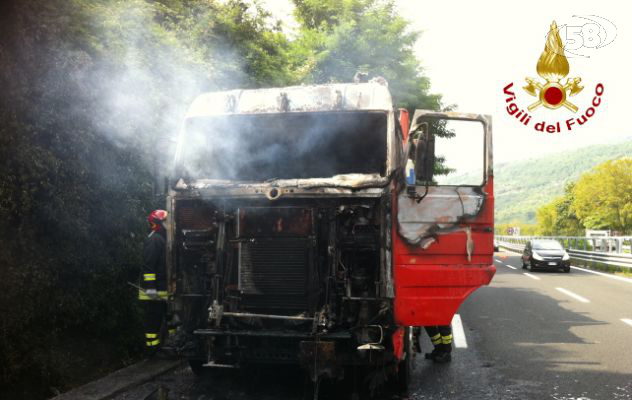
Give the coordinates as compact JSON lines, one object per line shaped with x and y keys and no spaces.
{"x":433,"y":354}
{"x":435,"y":338}
{"x":444,"y":355}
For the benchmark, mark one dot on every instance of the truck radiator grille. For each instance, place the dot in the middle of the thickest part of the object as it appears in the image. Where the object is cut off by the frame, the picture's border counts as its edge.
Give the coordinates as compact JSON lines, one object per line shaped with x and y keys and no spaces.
{"x":195,"y":216}
{"x":273,"y":274}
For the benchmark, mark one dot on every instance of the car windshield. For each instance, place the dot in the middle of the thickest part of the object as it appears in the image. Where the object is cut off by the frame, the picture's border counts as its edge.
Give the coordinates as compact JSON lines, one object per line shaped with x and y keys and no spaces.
{"x":547,"y":245}
{"x":284,"y":146}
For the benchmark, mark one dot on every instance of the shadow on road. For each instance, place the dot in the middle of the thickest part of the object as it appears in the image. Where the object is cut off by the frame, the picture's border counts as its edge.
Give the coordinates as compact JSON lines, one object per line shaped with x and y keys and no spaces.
{"x":527,"y":345}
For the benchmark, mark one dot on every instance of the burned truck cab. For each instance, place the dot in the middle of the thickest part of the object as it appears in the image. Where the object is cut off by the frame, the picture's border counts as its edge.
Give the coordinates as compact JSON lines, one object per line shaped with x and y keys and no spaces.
{"x":286,"y":244}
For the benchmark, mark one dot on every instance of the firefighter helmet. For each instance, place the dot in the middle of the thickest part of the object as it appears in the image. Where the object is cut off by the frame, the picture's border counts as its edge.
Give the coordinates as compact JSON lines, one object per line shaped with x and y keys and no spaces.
{"x":157,"y":218}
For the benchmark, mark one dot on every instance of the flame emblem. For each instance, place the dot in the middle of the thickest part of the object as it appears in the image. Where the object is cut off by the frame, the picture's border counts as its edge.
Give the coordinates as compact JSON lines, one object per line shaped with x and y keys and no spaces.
{"x":553,"y":67}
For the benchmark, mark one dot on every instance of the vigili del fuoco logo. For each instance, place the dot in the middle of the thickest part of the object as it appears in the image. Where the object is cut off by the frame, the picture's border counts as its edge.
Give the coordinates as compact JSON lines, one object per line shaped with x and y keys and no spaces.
{"x":552,"y":93}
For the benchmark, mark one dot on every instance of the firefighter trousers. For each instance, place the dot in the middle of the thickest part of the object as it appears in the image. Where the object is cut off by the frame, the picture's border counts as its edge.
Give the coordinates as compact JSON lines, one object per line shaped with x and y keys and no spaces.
{"x":154,"y":315}
{"x":441,"y":336}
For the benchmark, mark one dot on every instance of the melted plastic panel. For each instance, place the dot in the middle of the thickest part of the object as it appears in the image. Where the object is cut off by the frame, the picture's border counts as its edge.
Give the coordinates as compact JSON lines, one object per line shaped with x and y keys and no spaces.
{"x":439,"y":210}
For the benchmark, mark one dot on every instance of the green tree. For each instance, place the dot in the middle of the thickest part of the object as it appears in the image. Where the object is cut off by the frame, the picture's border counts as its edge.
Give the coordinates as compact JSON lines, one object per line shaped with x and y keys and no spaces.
{"x":240,"y":40}
{"x":603,"y":197}
{"x":567,"y":223}
{"x":90,"y":92}
{"x":558,"y":217}
{"x":546,"y":217}
{"x":341,"y":37}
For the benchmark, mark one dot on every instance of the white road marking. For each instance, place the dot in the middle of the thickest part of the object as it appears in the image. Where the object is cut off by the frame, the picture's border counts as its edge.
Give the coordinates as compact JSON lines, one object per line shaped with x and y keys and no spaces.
{"x":458,"y":335}
{"x":573,"y":295}
{"x":627,"y":321}
{"x":611,"y":276}
{"x":537,"y":278}
{"x":497,"y":260}
{"x":507,"y":265}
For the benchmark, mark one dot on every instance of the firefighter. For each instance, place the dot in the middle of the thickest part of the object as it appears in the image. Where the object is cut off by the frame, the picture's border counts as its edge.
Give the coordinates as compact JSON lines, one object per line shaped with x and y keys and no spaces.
{"x":441,"y":338}
{"x":153,"y":282}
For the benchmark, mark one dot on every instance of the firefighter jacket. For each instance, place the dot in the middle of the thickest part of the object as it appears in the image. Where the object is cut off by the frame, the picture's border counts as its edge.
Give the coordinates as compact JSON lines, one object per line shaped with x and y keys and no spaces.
{"x":154,"y":274}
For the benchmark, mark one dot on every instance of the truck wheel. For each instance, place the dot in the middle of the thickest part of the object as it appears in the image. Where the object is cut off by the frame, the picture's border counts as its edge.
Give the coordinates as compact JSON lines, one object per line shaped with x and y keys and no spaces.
{"x":405,"y":368}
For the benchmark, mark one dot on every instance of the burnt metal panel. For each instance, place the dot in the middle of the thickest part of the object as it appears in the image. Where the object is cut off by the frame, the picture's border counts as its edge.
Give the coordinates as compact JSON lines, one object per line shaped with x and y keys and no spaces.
{"x":275,"y":222}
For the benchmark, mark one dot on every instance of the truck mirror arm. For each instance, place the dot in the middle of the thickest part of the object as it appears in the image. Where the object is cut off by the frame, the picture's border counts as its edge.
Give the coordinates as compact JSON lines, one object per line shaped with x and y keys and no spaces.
{"x":424,"y":158}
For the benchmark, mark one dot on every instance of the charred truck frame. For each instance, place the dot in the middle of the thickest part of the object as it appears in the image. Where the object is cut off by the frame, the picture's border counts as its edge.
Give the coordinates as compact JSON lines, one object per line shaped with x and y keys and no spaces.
{"x":294,"y":238}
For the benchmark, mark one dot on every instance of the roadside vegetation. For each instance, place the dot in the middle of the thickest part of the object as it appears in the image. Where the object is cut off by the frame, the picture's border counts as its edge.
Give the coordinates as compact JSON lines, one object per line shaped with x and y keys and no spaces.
{"x":600,"y":199}
{"x":92,"y":94}
{"x":521,"y":187}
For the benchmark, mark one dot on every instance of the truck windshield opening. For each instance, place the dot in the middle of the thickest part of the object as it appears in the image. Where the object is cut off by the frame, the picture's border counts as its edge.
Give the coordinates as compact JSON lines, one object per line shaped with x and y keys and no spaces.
{"x":284,"y":146}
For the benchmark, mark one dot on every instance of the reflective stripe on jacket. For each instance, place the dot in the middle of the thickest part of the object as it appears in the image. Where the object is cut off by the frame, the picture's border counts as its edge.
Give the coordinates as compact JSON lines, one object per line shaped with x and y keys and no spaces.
{"x":162,"y":295}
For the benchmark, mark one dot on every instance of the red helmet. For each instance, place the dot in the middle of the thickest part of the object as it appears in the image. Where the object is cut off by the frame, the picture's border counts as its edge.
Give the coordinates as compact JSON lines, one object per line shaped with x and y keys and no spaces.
{"x":156,"y":218}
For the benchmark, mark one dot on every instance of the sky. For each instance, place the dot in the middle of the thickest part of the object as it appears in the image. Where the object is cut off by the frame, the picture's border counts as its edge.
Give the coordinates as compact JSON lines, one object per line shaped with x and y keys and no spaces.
{"x":472,"y":50}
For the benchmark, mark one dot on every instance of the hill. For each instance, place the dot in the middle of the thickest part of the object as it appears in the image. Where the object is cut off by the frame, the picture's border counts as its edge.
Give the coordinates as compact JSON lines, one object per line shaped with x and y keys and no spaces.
{"x":521,"y":187}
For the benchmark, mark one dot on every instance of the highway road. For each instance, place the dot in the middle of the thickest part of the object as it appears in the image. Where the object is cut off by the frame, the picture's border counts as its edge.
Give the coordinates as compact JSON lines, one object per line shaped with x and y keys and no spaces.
{"x":540,"y":335}
{"x":529,"y":335}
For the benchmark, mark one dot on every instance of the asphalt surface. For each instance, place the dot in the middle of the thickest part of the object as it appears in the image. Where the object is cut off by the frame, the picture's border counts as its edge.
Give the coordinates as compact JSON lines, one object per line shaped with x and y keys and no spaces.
{"x":543,"y":335}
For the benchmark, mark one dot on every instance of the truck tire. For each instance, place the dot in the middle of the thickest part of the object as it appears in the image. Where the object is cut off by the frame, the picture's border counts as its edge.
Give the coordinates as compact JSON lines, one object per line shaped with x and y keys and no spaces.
{"x":405,"y":367}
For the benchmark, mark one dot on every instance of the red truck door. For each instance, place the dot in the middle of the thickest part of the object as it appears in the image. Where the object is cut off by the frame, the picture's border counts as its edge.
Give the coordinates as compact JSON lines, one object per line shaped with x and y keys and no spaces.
{"x":443,"y":229}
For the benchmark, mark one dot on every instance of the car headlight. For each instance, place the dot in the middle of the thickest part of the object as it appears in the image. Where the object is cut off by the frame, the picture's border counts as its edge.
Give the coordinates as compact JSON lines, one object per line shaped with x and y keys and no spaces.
{"x":536,"y":256}
{"x":566,"y":256}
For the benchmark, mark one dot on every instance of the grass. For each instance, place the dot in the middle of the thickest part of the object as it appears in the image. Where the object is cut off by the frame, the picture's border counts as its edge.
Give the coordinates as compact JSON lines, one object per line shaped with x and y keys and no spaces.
{"x":597,"y":266}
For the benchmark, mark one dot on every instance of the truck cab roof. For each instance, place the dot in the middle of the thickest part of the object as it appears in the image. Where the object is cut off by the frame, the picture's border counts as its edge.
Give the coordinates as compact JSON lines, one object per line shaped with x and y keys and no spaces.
{"x":371,"y":96}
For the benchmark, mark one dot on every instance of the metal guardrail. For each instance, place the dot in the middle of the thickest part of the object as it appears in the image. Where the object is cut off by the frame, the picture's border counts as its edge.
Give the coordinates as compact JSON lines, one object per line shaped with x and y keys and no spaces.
{"x":617,"y":259}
